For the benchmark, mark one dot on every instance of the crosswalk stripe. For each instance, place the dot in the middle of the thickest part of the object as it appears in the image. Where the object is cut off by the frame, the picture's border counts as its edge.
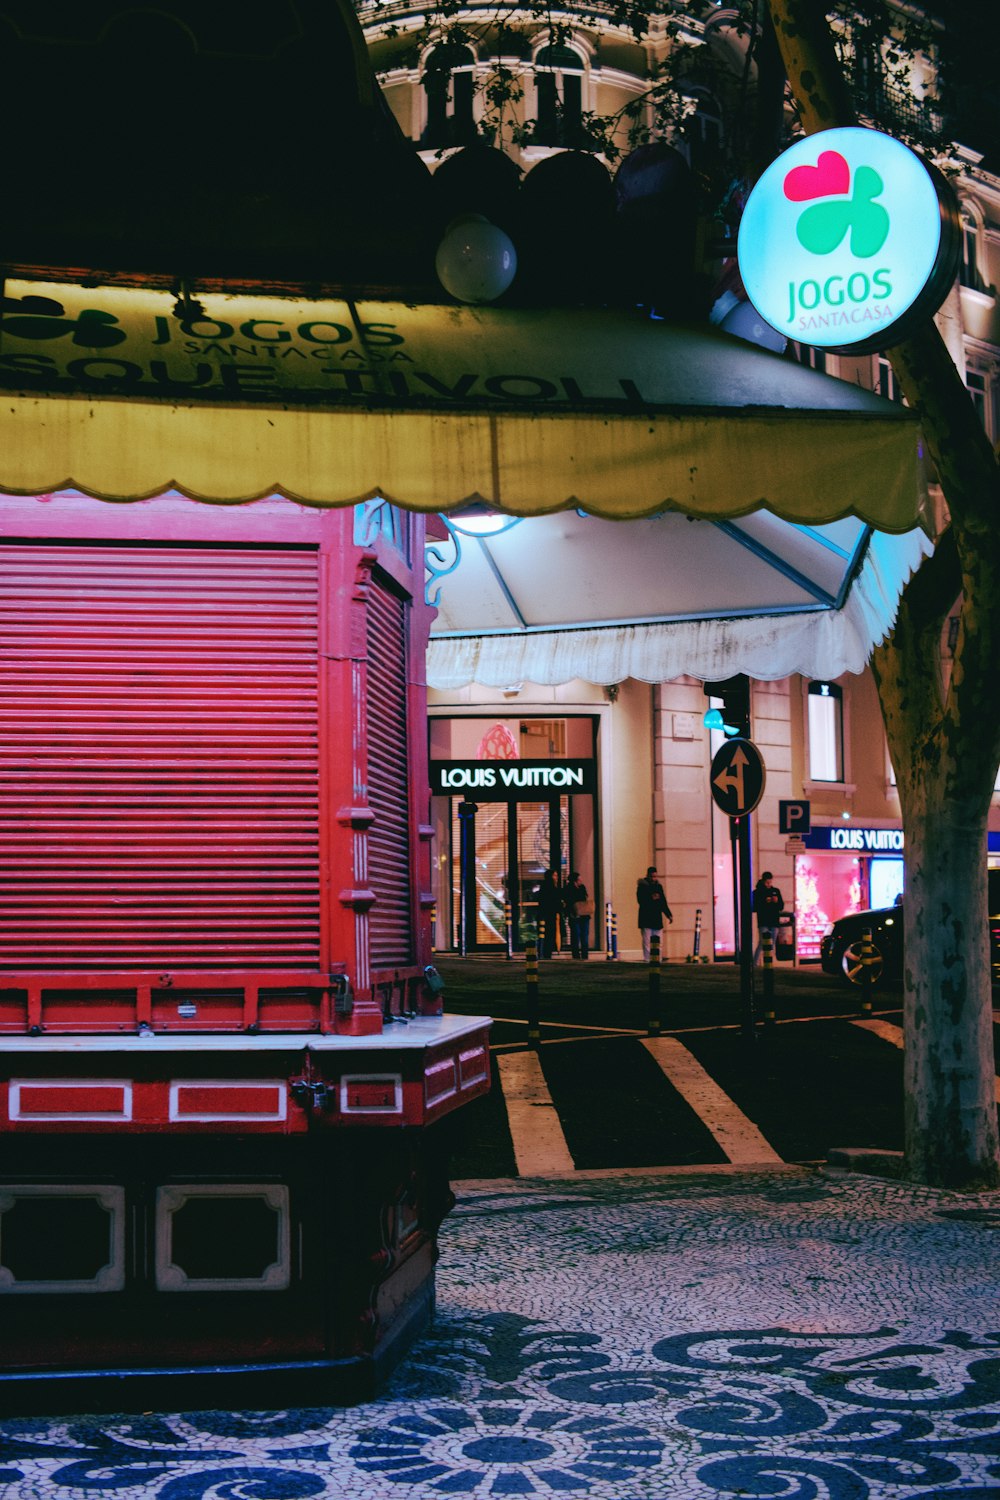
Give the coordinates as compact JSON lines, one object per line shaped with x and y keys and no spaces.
{"x":894,"y":1034}
{"x":884,"y":1029}
{"x":540,"y":1148}
{"x":739,"y":1137}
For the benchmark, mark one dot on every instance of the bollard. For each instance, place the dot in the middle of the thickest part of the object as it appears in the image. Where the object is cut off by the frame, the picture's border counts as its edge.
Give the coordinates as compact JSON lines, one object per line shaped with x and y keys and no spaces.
{"x":655,"y":1019}
{"x":608,"y":946}
{"x":693,"y":956}
{"x":531,"y":992}
{"x":867,"y":959}
{"x":434,"y":927}
{"x":614,"y":934}
{"x":508,"y":929}
{"x":767,"y":956}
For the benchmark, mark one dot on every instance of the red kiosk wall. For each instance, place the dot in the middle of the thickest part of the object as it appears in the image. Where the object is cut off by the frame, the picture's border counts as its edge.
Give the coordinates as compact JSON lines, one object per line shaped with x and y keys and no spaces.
{"x":348,"y":573}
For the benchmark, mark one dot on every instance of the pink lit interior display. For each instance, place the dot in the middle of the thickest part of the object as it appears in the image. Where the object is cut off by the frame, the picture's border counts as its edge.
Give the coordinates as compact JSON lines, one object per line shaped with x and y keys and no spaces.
{"x":827,"y":886}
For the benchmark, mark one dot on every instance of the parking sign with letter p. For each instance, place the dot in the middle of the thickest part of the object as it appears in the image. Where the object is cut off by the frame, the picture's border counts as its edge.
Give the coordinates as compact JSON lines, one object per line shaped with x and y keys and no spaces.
{"x":793,"y":817}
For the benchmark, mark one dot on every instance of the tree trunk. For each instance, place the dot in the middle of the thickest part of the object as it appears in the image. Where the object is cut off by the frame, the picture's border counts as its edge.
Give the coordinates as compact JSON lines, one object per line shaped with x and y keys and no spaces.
{"x":950,"y":1110}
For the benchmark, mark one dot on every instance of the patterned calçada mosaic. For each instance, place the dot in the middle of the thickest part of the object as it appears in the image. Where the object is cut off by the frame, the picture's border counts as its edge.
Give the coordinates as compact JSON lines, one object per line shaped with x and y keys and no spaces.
{"x":681,"y":1339}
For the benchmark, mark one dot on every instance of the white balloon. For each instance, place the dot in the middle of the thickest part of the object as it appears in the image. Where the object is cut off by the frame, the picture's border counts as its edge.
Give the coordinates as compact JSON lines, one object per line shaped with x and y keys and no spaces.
{"x":475,"y":260}
{"x":745,"y":322}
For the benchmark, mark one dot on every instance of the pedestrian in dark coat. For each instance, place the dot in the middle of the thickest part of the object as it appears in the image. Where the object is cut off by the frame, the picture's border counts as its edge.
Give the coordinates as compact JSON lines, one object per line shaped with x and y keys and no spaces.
{"x":653,"y":907}
{"x":549,"y":898}
{"x":768,"y":904}
{"x":579,"y":910}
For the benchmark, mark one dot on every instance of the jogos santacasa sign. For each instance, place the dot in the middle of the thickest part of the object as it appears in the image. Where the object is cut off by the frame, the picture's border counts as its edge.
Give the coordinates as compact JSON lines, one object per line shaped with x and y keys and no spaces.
{"x":847,"y":240}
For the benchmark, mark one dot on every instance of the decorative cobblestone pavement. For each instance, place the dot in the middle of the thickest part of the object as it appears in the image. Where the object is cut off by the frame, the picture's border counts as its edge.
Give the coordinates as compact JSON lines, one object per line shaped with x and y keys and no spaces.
{"x":777,"y":1333}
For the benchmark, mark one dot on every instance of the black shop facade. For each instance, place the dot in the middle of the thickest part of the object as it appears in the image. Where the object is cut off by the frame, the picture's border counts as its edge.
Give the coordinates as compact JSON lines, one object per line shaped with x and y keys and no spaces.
{"x":511,"y":797}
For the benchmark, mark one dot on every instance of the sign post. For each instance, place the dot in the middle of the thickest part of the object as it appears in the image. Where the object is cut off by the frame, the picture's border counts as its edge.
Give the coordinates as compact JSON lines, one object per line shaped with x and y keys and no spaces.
{"x":737,"y":785}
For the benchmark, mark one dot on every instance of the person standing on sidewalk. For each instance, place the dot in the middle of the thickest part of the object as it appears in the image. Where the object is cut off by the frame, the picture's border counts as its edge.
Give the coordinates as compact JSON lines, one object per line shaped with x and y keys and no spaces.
{"x":549,"y":898}
{"x":579,"y":910}
{"x":768,"y":903}
{"x":653,"y":907}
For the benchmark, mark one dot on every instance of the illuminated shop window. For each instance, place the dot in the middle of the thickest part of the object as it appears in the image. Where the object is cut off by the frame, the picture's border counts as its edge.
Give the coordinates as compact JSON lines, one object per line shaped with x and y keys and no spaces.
{"x":222,"y":1237}
{"x":62,"y":1239}
{"x":558,"y":97}
{"x":825,"y":707}
{"x":449,"y":84}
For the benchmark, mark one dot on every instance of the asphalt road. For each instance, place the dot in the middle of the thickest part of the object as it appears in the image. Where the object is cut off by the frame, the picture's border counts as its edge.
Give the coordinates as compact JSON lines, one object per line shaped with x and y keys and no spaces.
{"x":597,"y":1094}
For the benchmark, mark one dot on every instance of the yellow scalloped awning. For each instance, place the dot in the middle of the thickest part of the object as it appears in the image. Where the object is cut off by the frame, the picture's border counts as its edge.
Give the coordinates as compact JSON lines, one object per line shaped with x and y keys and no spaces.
{"x":124,"y":393}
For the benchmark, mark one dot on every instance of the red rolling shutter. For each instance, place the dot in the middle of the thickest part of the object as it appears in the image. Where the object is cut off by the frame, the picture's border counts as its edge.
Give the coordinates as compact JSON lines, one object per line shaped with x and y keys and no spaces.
{"x":390,"y":923}
{"x":158,"y":750}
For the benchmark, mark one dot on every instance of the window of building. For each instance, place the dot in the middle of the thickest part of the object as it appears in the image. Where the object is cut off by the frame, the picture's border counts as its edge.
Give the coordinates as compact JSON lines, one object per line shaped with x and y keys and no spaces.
{"x":702,"y":129}
{"x":979,"y":384}
{"x":825,"y":707}
{"x":449,"y":84}
{"x":968,"y":273}
{"x":559,"y":97}
{"x":886,"y":383}
{"x":810,"y":356}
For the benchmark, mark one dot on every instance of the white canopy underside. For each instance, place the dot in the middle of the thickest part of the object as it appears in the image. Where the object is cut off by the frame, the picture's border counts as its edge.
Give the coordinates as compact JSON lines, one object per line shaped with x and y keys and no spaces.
{"x":747,"y":608}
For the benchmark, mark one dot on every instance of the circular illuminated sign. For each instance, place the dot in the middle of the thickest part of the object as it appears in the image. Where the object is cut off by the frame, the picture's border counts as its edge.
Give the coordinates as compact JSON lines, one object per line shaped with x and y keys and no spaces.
{"x":847,"y":240}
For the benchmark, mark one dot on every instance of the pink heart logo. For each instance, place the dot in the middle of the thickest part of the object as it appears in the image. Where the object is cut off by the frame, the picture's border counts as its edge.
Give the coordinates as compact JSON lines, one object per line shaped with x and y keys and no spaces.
{"x":830,"y":176}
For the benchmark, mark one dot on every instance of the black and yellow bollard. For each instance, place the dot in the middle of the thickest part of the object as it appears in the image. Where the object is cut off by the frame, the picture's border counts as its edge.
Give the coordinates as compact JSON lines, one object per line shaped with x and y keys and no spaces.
{"x":531,"y":992}
{"x":767,"y":959}
{"x":655,"y":1019}
{"x":868,"y":959}
{"x":694,"y":956}
{"x":508,"y":929}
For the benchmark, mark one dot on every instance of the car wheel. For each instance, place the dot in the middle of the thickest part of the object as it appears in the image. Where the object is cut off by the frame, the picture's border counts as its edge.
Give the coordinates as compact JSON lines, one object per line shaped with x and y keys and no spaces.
{"x":853,"y":966}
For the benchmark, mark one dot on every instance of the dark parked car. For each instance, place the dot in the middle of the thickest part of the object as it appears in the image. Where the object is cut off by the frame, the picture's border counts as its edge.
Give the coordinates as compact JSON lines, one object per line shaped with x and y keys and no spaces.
{"x":840,"y":949}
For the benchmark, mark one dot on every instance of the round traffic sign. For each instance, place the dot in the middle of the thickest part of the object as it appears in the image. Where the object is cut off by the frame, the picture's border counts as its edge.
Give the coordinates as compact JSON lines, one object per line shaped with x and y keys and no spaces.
{"x":737,"y":777}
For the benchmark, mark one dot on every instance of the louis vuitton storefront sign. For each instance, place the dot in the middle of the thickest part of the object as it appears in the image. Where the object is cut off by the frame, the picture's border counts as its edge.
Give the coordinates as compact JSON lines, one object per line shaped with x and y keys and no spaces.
{"x":501,"y":781}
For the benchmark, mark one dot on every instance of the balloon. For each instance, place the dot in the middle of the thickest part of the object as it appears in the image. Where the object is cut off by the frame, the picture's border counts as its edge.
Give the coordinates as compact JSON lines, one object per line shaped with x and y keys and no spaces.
{"x":475,"y":261}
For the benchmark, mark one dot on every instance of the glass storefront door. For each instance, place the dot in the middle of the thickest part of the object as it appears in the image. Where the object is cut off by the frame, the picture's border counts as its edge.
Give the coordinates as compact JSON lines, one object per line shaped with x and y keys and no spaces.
{"x":497,"y":856}
{"x":479,"y":901}
{"x":541,"y":837}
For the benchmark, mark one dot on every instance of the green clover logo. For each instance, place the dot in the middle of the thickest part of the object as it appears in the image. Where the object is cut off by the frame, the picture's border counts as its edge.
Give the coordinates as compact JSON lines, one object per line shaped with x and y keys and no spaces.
{"x":835,"y":209}
{"x":822,"y":227}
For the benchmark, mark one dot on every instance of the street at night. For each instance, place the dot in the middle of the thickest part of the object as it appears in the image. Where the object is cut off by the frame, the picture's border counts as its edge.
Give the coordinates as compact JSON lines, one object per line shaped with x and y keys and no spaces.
{"x":824,"y":1075}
